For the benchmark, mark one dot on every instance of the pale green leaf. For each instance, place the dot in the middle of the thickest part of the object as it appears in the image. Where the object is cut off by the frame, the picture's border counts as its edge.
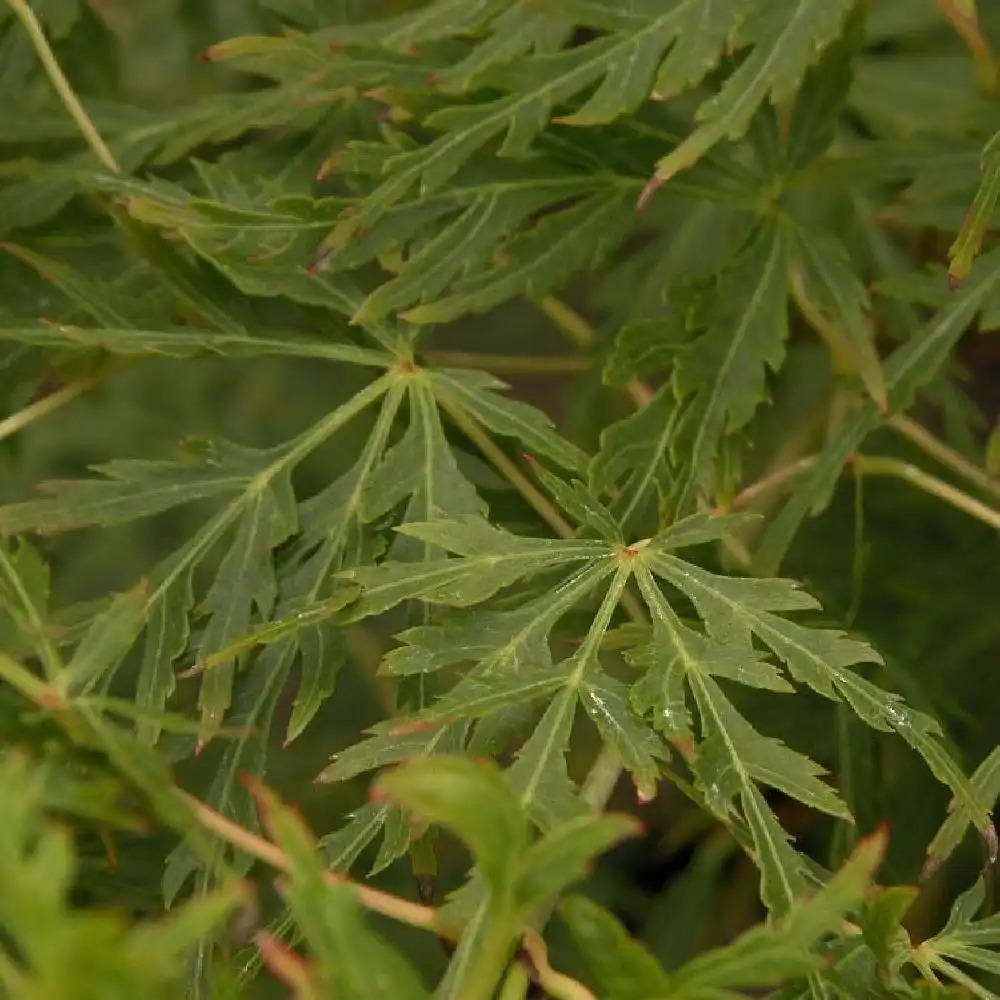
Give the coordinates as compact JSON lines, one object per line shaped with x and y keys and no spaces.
{"x":506,"y":641}
{"x":622,"y":966}
{"x":471,"y":799}
{"x":134,"y":488}
{"x":493,"y":559}
{"x":980,"y":215}
{"x":562,"y":856}
{"x":581,"y":505}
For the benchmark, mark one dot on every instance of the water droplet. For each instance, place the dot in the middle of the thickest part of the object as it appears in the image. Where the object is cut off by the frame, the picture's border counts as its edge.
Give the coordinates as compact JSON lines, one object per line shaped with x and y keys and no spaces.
{"x":897,"y":716}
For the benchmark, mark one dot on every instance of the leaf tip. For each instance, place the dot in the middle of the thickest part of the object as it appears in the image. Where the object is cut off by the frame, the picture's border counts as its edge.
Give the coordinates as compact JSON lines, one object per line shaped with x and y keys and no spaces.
{"x":931,"y":864}
{"x":989,"y":835}
{"x":644,"y":793}
{"x":652,"y":186}
{"x":329,"y":166}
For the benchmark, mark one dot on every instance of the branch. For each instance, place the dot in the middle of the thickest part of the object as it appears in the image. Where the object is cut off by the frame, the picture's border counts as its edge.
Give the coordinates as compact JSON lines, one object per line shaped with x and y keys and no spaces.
{"x":773,"y":479}
{"x":514,"y":364}
{"x":581,"y":333}
{"x":874,"y":465}
{"x":556,"y":984}
{"x":44,"y":406}
{"x":939,"y":451}
{"x":414,"y":914}
{"x":27,"y":17}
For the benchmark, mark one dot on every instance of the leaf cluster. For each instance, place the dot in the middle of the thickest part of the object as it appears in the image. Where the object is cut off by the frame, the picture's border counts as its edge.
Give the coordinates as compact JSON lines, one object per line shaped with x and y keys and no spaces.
{"x":342,"y":544}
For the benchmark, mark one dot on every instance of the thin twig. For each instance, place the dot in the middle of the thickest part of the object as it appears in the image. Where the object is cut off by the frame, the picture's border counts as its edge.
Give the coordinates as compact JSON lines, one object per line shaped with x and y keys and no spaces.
{"x":44,"y":406}
{"x":555,"y":984}
{"x":514,"y":364}
{"x":875,"y":465}
{"x":773,"y":479}
{"x":473,"y":430}
{"x":581,"y":333}
{"x":947,"y":456}
{"x":576,"y":328}
{"x":27,"y":17}
{"x":842,"y":352}
{"x":388,"y":905}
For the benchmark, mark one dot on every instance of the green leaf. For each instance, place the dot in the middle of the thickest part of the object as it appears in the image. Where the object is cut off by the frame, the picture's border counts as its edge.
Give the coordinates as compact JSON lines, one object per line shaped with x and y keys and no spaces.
{"x":133,"y":488}
{"x":422,"y":470}
{"x":819,"y":658}
{"x":461,"y":245}
{"x":433,"y":21}
{"x":533,"y":263}
{"x":820,"y":100}
{"x":783,"y":41}
{"x":474,"y":801}
{"x":721,"y":377}
{"x":107,"y":640}
{"x":907,"y":370}
{"x":634,"y":461}
{"x":966,"y":940}
{"x":344,"y":951}
{"x":829,"y":281}
{"x":167,"y":634}
{"x":881,"y":924}
{"x":732,"y":758}
{"x":985,"y":782}
{"x":185,"y":342}
{"x":479,"y":395}
{"x":539,"y":775}
{"x":561,"y":857}
{"x":245,"y":580}
{"x":493,"y":559}
{"x":500,"y":642}
{"x":975,"y":224}
{"x":577,"y":501}
{"x":606,"y":701}
{"x":622,"y":967}
{"x":56,"y":943}
{"x":380,"y":750}
{"x":624,"y":63}
{"x":25,"y":589}
{"x":86,"y":295}
{"x":646,"y":348}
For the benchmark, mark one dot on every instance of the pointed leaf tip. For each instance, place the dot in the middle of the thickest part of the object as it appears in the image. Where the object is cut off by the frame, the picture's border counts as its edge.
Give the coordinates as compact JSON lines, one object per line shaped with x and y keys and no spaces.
{"x":989,"y":835}
{"x":652,"y":186}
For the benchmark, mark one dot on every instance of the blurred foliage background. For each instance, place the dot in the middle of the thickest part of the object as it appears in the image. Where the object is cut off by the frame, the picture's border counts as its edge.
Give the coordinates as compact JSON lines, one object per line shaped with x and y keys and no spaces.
{"x":917,"y":578}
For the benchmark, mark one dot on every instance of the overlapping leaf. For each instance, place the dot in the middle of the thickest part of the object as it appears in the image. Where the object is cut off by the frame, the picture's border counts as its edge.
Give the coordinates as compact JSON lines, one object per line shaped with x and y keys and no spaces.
{"x":907,"y":370}
{"x":668,"y":452}
{"x":684,"y":673}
